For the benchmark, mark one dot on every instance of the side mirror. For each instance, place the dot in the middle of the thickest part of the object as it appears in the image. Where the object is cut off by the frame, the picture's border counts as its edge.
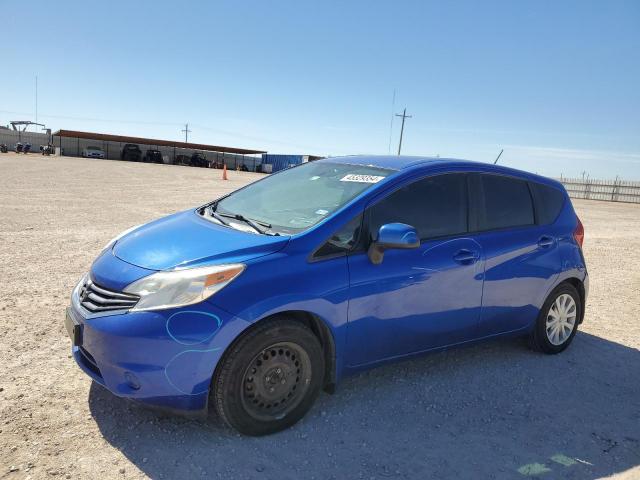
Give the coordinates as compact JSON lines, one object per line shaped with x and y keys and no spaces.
{"x":392,"y":235}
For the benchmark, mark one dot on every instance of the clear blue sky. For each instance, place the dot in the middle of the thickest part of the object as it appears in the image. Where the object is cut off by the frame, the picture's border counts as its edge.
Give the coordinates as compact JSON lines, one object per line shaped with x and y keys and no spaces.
{"x":554,"y":83}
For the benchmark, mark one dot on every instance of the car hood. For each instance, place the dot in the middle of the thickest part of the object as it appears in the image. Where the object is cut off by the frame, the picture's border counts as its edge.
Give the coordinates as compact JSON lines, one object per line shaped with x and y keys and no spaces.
{"x":186,"y":239}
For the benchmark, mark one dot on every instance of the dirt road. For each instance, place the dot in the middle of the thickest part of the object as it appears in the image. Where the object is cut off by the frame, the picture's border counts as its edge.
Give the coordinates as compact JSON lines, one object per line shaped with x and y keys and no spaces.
{"x":495,"y":410}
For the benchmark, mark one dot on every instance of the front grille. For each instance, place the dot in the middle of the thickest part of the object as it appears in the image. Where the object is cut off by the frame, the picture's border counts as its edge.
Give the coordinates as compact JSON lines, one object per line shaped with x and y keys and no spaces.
{"x":99,"y":299}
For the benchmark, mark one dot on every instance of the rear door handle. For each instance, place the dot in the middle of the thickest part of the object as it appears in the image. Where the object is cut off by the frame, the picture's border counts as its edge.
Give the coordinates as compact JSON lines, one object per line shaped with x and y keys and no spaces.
{"x":466,"y":257}
{"x":545,"y":241}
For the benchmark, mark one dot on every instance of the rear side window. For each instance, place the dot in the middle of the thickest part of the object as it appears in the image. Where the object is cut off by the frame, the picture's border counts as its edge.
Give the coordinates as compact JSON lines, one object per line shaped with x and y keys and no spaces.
{"x":435,"y":206}
{"x":507,"y":203}
{"x":549,"y":202}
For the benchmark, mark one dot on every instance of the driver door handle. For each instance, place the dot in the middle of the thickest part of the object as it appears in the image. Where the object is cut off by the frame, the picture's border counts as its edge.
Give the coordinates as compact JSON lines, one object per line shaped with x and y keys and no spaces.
{"x":466,"y":257}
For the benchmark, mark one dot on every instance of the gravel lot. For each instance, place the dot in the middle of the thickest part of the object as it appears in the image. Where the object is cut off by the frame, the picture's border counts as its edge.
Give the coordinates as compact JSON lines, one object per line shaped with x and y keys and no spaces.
{"x":495,"y":410}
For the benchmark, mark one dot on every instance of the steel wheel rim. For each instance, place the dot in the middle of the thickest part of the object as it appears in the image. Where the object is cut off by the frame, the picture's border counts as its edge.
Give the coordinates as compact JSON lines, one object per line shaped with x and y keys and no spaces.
{"x":561,"y":319}
{"x":276,"y":381}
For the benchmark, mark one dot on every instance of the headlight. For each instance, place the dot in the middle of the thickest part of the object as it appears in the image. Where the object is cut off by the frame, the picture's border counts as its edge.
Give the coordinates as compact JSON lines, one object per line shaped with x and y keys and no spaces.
{"x":182,"y":287}
{"x":119,"y":236}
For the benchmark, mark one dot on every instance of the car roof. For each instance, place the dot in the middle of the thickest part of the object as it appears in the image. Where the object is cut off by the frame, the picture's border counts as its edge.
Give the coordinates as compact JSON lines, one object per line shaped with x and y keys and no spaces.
{"x":391,"y":162}
{"x":395,"y":162}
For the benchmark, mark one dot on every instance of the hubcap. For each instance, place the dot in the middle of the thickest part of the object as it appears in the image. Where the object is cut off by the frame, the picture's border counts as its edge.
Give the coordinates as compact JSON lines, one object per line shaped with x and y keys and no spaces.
{"x":561,"y":319}
{"x":276,"y":380}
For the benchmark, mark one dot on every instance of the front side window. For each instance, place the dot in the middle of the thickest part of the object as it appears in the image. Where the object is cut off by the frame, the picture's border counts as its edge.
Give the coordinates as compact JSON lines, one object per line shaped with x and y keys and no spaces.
{"x":344,"y":240}
{"x":507,"y":203}
{"x":298,"y":198}
{"x":435,"y":206}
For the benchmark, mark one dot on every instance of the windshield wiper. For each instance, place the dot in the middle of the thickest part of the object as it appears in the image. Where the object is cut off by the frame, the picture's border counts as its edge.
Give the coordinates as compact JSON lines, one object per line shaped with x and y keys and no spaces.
{"x":252,"y":223}
{"x":217,"y":216}
{"x":255,"y":224}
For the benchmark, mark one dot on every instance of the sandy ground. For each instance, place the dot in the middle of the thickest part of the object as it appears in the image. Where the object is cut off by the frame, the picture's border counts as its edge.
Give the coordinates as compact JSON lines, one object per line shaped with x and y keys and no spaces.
{"x":495,"y":410}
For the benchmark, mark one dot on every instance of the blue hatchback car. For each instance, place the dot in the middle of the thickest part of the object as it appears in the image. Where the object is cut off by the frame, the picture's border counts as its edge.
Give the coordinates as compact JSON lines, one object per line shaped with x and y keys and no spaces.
{"x":256,"y":301}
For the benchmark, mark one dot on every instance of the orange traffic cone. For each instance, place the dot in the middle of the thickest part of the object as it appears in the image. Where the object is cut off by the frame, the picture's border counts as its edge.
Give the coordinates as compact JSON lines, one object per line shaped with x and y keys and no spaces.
{"x":224,"y":172}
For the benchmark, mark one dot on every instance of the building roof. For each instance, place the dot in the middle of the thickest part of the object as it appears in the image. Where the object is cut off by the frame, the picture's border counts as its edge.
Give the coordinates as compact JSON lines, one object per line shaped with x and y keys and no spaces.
{"x":152,"y":141}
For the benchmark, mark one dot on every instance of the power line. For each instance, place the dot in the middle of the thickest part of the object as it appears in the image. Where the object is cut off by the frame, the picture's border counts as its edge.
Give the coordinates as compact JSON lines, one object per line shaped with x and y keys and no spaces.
{"x":93,"y":119}
{"x":404,"y":115}
{"x":230,"y":133}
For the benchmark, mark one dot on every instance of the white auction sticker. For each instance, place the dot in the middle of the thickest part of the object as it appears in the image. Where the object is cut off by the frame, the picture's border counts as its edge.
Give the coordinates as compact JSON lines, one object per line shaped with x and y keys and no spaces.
{"x":352,"y":177}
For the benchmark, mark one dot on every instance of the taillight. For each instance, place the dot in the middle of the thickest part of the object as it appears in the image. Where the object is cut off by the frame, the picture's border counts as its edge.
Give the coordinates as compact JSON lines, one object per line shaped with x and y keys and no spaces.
{"x":578,"y":233}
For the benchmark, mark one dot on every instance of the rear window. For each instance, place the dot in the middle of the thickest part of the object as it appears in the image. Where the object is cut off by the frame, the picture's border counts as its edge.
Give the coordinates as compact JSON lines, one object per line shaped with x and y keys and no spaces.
{"x":548,"y":200}
{"x":507,"y":203}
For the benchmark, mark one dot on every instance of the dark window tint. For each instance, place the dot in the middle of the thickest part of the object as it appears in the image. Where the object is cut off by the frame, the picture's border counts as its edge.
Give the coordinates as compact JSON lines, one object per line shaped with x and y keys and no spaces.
{"x":507,"y":202}
{"x":548,"y":201}
{"x":435,"y":206}
{"x":343,"y":241}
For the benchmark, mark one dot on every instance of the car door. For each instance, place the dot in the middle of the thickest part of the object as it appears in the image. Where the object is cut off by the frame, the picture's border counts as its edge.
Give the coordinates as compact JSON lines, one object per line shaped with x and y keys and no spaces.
{"x":521,"y":255}
{"x":420,"y":298}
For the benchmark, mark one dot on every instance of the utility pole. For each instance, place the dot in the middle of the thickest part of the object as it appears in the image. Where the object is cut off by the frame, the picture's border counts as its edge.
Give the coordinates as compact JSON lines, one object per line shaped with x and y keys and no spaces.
{"x":186,"y":132}
{"x":36,"y":99}
{"x":404,"y":115}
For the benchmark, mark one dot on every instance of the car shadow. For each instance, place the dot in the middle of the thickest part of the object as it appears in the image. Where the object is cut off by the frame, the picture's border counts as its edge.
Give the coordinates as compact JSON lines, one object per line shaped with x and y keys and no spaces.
{"x":496,"y":410}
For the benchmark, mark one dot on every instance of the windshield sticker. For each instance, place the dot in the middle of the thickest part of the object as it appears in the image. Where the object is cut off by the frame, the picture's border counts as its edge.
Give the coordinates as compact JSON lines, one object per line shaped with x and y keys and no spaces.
{"x":300,"y":221}
{"x":352,"y":177}
{"x":322,"y":212}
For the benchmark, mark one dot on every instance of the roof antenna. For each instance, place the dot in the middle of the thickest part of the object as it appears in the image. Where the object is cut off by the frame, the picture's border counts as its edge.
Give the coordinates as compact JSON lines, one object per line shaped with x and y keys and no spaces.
{"x":496,"y":160}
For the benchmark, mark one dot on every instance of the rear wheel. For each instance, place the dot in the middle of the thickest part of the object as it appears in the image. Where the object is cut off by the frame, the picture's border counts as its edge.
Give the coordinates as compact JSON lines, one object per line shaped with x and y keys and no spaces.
{"x":558,"y":320}
{"x":269,"y":379}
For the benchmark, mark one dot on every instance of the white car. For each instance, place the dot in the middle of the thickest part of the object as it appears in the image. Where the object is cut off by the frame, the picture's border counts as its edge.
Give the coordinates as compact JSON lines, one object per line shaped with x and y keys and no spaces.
{"x":92,"y":152}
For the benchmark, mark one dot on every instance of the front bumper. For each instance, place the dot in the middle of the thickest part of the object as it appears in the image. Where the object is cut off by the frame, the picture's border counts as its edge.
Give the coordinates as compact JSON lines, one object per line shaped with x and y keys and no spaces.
{"x":164,"y":359}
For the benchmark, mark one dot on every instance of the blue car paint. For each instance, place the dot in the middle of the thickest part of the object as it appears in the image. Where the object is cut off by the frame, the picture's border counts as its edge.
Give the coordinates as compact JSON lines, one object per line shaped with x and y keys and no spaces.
{"x":374,"y":313}
{"x":185,"y":240}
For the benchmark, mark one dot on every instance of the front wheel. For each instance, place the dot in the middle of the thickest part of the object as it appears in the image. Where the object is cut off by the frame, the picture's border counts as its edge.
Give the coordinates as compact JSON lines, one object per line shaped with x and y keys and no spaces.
{"x":269,"y":379}
{"x":558,"y":320}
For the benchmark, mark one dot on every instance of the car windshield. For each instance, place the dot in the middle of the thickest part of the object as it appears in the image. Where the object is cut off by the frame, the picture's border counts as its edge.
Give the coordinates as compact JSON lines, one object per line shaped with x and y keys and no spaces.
{"x":93,"y":148}
{"x":295,"y":199}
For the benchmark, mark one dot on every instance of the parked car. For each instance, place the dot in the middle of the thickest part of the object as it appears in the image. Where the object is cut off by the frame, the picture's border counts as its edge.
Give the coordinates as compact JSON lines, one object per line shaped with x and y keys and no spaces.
{"x":4,"y":148}
{"x":153,"y":156}
{"x":93,"y":152}
{"x":131,"y":152}
{"x":198,"y":160}
{"x":253,"y":303}
{"x":182,"y":160}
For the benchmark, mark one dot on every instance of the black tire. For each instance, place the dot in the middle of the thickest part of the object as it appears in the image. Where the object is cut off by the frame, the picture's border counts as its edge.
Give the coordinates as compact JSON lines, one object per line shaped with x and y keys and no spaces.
{"x":269,"y":378}
{"x":539,"y":339}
